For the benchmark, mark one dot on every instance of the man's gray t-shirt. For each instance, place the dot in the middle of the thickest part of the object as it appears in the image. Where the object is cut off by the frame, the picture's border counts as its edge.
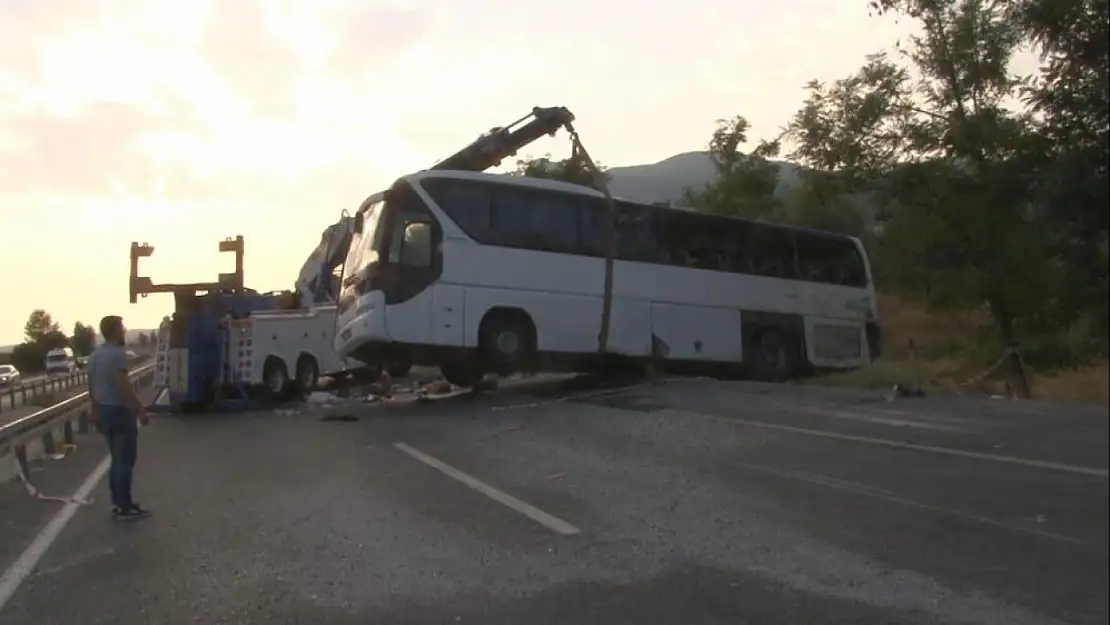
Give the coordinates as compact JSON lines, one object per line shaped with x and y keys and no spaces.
{"x":103,"y":365}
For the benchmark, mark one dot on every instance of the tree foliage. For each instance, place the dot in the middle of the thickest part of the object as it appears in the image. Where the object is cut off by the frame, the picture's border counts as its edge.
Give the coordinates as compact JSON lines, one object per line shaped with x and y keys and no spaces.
{"x":83,"y":339}
{"x":983,"y":205}
{"x":566,"y":170}
{"x":39,"y":324}
{"x":744,"y":184}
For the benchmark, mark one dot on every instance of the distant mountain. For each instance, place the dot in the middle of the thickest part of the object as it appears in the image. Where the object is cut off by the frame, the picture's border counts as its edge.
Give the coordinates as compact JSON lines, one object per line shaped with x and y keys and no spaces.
{"x":666,"y":180}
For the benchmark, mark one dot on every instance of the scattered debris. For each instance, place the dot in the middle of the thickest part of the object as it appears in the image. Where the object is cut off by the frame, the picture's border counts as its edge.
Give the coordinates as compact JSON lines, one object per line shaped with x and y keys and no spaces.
{"x":341,"y":418}
{"x":901,"y":391}
{"x":319,"y":398}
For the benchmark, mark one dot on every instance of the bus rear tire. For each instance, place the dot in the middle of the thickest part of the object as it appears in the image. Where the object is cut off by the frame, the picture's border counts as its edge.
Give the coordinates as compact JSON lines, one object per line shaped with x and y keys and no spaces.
{"x":773,"y":357}
{"x":507,"y":340}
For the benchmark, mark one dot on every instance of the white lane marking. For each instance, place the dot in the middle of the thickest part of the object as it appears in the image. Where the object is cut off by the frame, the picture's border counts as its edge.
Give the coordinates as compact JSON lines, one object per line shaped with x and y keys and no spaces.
{"x":870,"y":418}
{"x":878,"y":493}
{"x":882,"y":442}
{"x":18,"y":572}
{"x":528,"y":510}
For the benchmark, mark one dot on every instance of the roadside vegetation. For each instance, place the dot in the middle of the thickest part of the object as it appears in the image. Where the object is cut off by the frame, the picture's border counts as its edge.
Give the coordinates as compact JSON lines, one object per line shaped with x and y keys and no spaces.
{"x":981,"y":194}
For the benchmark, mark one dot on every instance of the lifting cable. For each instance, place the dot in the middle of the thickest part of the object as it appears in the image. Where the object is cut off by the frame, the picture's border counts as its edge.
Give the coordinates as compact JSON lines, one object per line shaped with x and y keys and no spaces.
{"x":579,"y":155}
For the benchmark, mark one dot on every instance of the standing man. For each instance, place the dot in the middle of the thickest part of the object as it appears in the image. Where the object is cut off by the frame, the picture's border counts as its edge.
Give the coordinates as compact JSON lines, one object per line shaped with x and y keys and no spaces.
{"x":117,"y":412}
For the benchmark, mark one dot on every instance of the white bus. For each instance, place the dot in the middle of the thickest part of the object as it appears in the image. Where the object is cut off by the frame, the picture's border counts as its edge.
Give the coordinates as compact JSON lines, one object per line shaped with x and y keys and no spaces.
{"x":60,"y":360}
{"x":478,"y":273}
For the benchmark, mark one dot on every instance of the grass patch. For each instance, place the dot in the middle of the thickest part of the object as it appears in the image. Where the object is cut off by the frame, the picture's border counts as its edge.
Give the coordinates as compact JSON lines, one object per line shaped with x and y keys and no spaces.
{"x":950,"y":351}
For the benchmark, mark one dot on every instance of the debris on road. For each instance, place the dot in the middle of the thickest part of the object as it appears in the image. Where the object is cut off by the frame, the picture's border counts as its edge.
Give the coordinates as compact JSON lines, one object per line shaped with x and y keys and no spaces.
{"x":342,"y":418}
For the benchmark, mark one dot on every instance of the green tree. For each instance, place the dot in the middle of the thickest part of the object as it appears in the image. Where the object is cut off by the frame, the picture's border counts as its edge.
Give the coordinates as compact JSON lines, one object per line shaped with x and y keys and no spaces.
{"x":29,"y":357}
{"x":1072,"y":97}
{"x":843,"y":136}
{"x":571,"y":170}
{"x":39,"y":324}
{"x":745,"y":184}
{"x":55,"y":339}
{"x":950,"y":160}
{"x":83,"y":339}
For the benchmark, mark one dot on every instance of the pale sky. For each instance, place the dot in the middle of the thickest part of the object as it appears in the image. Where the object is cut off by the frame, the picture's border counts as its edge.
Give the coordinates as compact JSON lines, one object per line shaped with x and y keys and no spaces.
{"x":179,"y":123}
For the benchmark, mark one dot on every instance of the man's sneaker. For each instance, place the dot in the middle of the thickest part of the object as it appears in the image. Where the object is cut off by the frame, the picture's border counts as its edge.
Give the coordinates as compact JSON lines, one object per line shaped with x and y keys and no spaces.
{"x":132,"y":513}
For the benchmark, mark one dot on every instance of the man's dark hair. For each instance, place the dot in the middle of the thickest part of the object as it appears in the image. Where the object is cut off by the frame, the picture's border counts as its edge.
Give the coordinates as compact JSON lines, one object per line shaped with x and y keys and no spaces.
{"x":111,"y":327}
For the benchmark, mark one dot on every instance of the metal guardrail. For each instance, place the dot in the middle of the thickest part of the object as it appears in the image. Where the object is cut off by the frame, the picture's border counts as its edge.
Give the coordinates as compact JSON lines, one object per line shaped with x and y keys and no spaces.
{"x":43,"y":424}
{"x":16,"y":397}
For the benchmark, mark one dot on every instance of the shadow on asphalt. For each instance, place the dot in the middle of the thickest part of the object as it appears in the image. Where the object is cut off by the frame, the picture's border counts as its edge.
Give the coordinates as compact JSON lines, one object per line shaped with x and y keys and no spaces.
{"x":687,"y":594}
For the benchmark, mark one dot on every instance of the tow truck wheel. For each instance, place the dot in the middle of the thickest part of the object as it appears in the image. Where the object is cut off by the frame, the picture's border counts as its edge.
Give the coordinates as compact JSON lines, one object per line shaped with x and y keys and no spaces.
{"x":308,"y":374}
{"x":275,"y":378}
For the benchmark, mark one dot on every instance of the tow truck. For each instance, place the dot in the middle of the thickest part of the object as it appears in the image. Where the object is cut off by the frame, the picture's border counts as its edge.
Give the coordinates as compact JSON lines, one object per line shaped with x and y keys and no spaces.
{"x":212,"y":353}
{"x":226,"y":343}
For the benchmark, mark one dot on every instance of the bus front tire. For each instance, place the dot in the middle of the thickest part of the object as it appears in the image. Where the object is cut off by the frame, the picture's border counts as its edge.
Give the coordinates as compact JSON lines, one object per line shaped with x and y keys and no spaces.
{"x":508,"y":341}
{"x":399,"y":369}
{"x":773,"y":357}
{"x":461,"y":373}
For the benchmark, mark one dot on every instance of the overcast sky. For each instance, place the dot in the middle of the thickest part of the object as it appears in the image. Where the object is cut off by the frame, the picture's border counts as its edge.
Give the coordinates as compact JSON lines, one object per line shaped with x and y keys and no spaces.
{"x":180,"y":123}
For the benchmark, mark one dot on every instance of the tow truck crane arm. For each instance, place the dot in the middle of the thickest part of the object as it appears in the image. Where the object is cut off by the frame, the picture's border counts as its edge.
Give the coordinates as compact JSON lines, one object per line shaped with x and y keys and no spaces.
{"x":504,"y":141}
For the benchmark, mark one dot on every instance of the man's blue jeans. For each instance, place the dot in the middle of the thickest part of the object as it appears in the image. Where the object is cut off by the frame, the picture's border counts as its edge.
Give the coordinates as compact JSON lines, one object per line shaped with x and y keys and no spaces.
{"x":121,"y":429}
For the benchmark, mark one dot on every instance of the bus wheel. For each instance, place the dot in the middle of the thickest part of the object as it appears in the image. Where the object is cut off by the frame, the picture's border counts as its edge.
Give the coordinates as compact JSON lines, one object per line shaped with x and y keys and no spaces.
{"x":465,"y":374}
{"x":308,"y":374}
{"x":399,"y":369}
{"x":275,"y":378}
{"x":507,"y":341}
{"x":772,"y":359}
{"x":367,"y":374}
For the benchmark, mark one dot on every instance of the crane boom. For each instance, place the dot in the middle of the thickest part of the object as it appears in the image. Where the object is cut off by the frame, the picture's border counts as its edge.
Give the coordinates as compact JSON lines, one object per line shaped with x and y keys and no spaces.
{"x":316,"y":284}
{"x":502,"y":142}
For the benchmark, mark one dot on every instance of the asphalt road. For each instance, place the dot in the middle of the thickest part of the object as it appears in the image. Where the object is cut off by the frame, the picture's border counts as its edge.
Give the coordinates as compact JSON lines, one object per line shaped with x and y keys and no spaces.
{"x":698,"y":503}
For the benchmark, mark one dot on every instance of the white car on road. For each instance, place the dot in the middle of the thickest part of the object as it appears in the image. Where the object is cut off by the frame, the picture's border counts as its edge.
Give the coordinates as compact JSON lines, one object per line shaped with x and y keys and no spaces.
{"x":9,"y":376}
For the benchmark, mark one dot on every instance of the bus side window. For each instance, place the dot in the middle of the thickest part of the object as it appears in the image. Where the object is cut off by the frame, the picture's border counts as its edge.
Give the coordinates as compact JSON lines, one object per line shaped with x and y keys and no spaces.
{"x":534,"y":219}
{"x":815,"y":263}
{"x":738,"y":236}
{"x":465,"y":202}
{"x":636,"y":234}
{"x":831,"y":260}
{"x":772,"y":252}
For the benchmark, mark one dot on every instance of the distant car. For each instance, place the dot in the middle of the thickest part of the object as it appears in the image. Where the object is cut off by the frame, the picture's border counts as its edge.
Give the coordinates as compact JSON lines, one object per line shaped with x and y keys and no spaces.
{"x":9,"y":376}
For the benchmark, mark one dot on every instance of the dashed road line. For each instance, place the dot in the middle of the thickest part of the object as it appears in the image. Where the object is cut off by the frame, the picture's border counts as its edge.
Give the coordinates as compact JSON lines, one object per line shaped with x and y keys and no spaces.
{"x":878,"y":493}
{"x":882,"y":442}
{"x":539,"y":516}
